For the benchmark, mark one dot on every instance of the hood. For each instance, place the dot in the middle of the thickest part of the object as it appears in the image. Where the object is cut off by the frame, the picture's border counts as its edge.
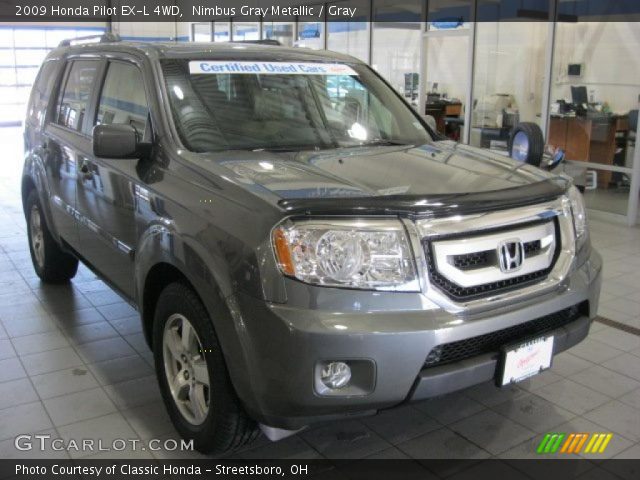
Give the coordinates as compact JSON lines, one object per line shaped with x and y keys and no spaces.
{"x":415,"y":179}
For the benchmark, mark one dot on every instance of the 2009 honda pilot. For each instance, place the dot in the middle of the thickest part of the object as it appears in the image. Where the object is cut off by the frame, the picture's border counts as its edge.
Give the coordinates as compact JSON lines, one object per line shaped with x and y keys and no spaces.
{"x":300,"y":245}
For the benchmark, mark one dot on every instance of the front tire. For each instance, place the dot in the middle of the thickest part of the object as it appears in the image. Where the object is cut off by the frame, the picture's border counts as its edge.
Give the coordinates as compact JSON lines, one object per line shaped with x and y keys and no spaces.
{"x":51,"y":263}
{"x":193,"y":377}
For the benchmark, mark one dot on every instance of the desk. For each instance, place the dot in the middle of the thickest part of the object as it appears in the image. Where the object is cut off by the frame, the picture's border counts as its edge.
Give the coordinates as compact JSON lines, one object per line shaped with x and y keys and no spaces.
{"x":440,"y":111}
{"x":588,"y":139}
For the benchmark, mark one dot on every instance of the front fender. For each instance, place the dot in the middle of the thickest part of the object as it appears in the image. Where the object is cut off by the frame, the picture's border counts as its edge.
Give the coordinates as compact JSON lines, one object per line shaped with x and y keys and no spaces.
{"x":213,"y":283}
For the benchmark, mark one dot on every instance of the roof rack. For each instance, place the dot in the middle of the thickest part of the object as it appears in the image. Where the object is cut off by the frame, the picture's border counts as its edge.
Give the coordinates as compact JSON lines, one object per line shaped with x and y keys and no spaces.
{"x":266,"y":41}
{"x":104,"y":38}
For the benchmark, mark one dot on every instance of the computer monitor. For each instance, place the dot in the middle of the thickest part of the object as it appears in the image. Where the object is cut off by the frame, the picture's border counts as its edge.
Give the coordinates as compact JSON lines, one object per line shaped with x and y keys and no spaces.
{"x":579,"y":95}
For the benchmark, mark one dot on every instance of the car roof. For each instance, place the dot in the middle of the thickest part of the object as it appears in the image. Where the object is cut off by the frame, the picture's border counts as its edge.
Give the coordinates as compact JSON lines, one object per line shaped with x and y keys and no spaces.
{"x":210,"y":50}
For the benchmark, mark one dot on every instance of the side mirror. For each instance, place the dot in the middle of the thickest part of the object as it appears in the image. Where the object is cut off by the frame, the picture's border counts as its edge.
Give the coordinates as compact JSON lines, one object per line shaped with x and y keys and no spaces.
{"x":117,"y":141}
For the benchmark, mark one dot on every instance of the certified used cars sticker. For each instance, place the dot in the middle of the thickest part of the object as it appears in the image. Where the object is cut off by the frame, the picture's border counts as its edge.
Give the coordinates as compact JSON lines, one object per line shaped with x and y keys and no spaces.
{"x":274,"y":68}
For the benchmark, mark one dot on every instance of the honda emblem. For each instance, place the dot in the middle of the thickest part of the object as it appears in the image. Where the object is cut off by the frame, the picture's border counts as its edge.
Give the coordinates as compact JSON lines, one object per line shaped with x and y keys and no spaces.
{"x":511,"y":255}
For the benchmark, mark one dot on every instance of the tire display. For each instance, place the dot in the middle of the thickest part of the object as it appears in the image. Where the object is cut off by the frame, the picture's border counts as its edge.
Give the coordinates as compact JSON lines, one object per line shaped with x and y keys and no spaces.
{"x":526,"y":143}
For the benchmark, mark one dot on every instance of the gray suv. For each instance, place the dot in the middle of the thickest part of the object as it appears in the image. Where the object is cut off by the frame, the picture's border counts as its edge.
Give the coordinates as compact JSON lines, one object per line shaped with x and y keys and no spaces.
{"x":300,"y":245}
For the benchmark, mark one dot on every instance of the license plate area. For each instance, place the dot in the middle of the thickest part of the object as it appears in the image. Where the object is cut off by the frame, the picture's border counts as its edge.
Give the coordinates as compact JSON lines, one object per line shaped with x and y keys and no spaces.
{"x":524,"y":359}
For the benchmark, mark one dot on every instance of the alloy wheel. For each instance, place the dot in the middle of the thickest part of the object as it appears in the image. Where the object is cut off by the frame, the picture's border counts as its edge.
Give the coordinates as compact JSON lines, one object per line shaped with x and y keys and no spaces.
{"x":186,"y":369}
{"x":37,"y":235}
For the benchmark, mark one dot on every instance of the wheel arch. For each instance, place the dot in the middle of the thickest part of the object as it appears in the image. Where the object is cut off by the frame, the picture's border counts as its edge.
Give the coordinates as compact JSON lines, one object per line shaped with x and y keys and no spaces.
{"x":161,"y":261}
{"x":34,"y":178}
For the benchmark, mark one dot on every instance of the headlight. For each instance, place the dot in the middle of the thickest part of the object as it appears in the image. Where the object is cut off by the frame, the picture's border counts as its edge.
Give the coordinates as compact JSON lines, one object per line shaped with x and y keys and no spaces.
{"x":366,"y":254}
{"x":579,"y":214}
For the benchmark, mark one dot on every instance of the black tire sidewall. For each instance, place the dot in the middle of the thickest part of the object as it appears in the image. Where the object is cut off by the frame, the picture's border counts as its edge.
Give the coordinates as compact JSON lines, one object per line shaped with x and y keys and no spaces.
{"x":177,"y":298}
{"x":58,"y":265}
{"x":536,"y":142}
{"x":33,"y":200}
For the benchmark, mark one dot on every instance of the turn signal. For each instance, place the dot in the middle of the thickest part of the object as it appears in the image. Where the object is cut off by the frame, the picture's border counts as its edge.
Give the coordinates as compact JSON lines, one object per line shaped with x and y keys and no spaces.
{"x":283,"y":254}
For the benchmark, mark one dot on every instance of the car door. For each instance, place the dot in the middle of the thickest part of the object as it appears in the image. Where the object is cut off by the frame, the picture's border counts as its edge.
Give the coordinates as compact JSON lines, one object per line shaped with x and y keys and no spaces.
{"x":66,"y":143}
{"x":108,"y":188}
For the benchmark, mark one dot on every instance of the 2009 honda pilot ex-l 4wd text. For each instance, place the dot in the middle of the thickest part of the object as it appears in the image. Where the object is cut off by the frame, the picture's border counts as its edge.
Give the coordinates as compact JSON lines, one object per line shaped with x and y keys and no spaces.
{"x":300,"y":245}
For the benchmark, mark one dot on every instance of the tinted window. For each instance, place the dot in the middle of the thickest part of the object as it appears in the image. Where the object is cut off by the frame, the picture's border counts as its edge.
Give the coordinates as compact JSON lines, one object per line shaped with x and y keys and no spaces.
{"x":123,"y":98}
{"x":77,"y":91}
{"x":42,"y":92}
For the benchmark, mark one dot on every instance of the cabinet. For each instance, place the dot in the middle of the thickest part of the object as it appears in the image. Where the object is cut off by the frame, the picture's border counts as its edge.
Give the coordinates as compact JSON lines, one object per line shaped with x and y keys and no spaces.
{"x":588,"y":139}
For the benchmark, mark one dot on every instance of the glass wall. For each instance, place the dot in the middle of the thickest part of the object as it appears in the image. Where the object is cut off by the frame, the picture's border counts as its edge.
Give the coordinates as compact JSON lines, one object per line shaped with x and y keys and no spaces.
{"x":446,"y":48}
{"x":351,"y":37}
{"x":395,"y":43}
{"x":221,"y":31}
{"x":480,"y":77}
{"x":508,"y":80}
{"x":509,"y":68}
{"x":245,"y":31}
{"x":201,"y":32}
{"x":595,"y":90}
{"x":311,"y":35}
{"x":283,"y":32}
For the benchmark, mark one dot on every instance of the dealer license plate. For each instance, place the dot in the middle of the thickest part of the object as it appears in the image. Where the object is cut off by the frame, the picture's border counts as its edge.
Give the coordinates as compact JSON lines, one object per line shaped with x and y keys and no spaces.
{"x":525,"y":360}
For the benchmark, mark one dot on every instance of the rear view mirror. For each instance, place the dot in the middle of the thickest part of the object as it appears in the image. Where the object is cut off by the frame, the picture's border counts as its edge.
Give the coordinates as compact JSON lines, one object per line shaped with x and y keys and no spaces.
{"x":117,"y":141}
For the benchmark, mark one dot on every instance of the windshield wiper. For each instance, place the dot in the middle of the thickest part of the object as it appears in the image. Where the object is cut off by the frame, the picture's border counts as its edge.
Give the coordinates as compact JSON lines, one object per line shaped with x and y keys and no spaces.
{"x":381,"y":142}
{"x":289,"y":148}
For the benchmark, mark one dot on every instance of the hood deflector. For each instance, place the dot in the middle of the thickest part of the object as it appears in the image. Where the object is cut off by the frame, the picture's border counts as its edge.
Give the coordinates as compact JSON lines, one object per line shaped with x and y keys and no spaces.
{"x":425,"y":206}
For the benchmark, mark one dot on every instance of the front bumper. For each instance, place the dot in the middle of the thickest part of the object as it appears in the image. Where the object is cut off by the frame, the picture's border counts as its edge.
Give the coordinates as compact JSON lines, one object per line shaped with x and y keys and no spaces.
{"x":391,"y":332}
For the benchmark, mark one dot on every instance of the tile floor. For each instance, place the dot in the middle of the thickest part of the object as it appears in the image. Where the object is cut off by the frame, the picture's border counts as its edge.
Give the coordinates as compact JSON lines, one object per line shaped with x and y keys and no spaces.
{"x":73,"y":363}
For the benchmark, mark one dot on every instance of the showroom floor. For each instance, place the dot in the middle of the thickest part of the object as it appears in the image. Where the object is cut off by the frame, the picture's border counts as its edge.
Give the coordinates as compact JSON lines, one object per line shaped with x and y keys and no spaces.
{"x":74,"y":364}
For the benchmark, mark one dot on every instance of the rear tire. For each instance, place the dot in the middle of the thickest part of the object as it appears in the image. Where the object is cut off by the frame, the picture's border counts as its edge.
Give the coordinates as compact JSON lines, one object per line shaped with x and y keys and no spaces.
{"x":185,"y":348}
{"x":51,"y":263}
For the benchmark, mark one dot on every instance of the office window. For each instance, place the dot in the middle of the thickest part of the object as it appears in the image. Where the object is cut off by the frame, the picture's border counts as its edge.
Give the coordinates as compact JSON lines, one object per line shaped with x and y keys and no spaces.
{"x":221,"y":31}
{"x":595,"y":91}
{"x":123,"y":99}
{"x":201,"y":32}
{"x":281,"y":31}
{"x":351,"y":37}
{"x":395,"y":51}
{"x":72,"y":105}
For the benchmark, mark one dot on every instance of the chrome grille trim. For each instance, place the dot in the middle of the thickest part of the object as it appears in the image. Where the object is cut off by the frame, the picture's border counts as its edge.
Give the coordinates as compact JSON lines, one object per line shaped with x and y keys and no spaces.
{"x":422,"y":230}
{"x":445,"y":250}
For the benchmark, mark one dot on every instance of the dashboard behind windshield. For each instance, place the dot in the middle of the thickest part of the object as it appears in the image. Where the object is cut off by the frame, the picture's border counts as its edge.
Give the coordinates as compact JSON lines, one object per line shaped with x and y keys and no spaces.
{"x":281,"y":106}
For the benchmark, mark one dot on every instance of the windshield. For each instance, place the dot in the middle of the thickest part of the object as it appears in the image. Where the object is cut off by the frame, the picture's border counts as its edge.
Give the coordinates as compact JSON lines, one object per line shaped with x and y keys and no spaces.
{"x":225,"y":105}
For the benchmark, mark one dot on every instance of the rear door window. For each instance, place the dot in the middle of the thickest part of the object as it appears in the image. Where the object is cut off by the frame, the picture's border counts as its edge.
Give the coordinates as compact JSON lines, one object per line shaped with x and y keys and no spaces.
{"x":42,"y":92}
{"x":74,"y":102}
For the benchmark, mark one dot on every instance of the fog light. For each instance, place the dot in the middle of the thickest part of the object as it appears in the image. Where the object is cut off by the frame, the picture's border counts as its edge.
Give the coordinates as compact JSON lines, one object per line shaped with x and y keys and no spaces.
{"x":335,"y":375}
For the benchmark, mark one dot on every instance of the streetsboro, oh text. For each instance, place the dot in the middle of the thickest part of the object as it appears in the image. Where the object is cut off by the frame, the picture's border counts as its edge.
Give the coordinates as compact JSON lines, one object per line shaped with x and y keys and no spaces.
{"x":147,"y":470}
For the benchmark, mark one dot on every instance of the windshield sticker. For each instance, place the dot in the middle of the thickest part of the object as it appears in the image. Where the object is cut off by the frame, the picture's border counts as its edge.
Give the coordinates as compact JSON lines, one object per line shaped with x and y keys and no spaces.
{"x":273,"y":68}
